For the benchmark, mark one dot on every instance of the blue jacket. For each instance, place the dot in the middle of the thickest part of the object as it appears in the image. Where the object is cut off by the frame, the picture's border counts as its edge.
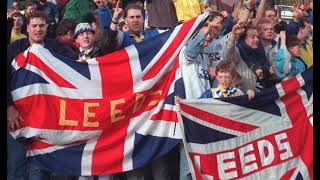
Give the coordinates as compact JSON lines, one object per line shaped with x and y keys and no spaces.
{"x":105,"y":17}
{"x":293,"y":28}
{"x":52,"y":12}
{"x":297,"y":65}
{"x":129,"y":40}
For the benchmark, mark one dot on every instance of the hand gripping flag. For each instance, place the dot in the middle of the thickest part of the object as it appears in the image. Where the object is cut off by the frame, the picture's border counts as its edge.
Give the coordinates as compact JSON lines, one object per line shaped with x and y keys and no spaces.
{"x":110,"y":114}
{"x":270,"y":137}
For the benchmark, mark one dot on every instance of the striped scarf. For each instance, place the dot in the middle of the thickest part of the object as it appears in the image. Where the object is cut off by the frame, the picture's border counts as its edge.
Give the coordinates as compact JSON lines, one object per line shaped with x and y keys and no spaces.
{"x":221,"y":92}
{"x":84,"y":55}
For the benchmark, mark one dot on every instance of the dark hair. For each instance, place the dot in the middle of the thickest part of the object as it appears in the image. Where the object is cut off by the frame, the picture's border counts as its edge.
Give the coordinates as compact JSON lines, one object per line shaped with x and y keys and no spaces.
{"x":292,"y":41}
{"x":226,"y":66}
{"x":37,"y":14}
{"x":29,"y":3}
{"x":65,"y":26}
{"x":133,"y":6}
{"x":246,"y":29}
{"x":214,"y":14}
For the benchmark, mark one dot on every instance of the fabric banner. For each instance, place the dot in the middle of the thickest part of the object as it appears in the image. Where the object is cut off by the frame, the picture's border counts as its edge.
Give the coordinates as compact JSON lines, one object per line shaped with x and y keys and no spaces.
{"x":110,"y":114}
{"x":270,"y":137}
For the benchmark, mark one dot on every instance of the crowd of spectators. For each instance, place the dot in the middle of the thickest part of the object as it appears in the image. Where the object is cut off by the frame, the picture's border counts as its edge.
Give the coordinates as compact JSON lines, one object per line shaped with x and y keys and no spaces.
{"x":238,"y":51}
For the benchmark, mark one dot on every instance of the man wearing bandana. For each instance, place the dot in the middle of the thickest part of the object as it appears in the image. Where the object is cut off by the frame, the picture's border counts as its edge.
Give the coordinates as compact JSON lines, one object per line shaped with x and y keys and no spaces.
{"x":88,"y":48}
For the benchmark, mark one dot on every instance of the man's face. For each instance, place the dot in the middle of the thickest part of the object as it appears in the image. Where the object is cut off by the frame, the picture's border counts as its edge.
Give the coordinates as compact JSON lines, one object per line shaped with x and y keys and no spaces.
{"x":17,"y":22}
{"x":134,"y":21}
{"x":266,"y":32}
{"x":37,"y":29}
{"x":85,"y":40}
{"x":252,"y":39}
{"x":216,"y":25}
{"x":225,"y":79}
{"x":297,"y":13}
{"x":99,"y":3}
{"x":30,"y":9}
{"x":271,"y":16}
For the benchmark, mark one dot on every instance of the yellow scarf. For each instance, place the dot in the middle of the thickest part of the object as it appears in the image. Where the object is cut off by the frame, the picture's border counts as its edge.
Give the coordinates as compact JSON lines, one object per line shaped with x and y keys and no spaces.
{"x":137,"y":38}
{"x":221,"y":92}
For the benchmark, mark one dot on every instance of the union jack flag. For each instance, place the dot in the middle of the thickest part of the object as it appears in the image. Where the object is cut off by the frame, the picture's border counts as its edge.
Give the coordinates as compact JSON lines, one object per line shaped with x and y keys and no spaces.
{"x":110,"y":114}
{"x":270,"y":137}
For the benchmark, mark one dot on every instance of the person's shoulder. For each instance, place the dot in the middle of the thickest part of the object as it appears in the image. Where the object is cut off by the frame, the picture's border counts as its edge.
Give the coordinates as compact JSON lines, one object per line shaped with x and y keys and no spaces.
{"x":18,"y":44}
{"x":52,"y":42}
{"x":152,"y":31}
{"x":58,"y":47}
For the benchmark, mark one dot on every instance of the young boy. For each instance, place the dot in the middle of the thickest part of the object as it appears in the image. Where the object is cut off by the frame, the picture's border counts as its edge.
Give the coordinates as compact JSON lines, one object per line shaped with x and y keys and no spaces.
{"x":297,"y":64}
{"x":225,"y":73}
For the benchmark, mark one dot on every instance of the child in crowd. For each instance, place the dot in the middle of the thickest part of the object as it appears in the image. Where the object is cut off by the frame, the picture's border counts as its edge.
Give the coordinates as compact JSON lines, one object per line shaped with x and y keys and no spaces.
{"x":225,"y":73}
{"x":296,"y":64}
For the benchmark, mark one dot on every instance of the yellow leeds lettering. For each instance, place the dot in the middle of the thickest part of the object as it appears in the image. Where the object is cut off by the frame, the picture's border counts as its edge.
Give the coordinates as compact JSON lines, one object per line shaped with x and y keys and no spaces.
{"x":116,"y":113}
{"x":154,"y":102}
{"x":88,"y":114}
{"x":62,"y":119}
{"x":140,"y":98}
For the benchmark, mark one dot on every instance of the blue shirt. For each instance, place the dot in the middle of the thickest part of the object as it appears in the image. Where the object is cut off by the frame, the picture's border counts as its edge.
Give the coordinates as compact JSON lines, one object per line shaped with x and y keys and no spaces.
{"x":293,"y":28}
{"x":128,"y":39}
{"x":105,"y":18}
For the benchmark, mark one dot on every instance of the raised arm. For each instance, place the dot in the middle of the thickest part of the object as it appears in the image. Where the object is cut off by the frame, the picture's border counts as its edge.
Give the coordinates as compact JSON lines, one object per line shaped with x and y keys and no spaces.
{"x":244,"y":13}
{"x":280,"y":58}
{"x":117,"y":14}
{"x":260,"y":11}
{"x":237,"y":8}
{"x":196,"y":45}
{"x":229,"y":51}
